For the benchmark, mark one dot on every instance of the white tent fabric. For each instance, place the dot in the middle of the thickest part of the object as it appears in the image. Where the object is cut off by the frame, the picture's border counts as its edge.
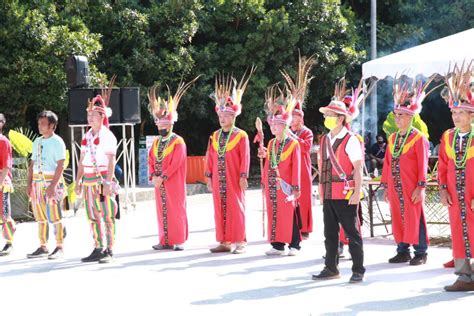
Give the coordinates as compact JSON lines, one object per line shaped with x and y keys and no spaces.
{"x":426,"y":59}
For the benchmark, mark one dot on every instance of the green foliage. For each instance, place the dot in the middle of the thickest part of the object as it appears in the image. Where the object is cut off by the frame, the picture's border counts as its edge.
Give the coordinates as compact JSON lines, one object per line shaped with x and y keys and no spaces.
{"x":35,"y":39}
{"x":148,"y":42}
{"x":389,"y":126}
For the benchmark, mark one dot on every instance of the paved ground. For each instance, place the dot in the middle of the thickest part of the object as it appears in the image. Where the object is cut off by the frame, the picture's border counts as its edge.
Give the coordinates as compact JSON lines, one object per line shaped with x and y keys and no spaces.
{"x":195,"y":282}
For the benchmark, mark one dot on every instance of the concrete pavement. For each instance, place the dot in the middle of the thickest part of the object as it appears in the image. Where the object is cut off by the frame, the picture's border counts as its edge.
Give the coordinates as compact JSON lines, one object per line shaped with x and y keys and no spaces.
{"x":142,"y":281}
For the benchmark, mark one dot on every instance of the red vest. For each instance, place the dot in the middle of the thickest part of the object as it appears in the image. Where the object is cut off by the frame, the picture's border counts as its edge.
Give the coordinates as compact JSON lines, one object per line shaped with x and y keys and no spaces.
{"x":332,"y":185}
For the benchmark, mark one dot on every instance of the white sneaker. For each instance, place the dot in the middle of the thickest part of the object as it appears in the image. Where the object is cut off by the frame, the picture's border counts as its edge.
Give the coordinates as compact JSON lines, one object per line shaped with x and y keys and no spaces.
{"x":179,"y":247}
{"x":239,"y":249}
{"x":275,"y":252}
{"x":293,"y":252}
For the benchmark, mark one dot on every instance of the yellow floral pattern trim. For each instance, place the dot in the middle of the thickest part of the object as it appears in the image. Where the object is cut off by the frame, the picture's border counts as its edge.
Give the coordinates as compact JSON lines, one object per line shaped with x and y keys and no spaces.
{"x":177,"y":141}
{"x":7,"y":188}
{"x":449,"y":148}
{"x":407,"y":146}
{"x":232,"y":143}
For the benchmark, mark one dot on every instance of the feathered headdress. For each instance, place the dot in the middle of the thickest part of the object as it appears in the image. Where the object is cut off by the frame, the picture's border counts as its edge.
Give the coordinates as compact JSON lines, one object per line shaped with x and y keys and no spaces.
{"x":348,"y":101}
{"x":100,"y":103}
{"x":458,"y":92}
{"x":409,"y":96}
{"x":228,"y":94}
{"x":279,"y":105}
{"x":165,"y":110}
{"x":298,"y":85}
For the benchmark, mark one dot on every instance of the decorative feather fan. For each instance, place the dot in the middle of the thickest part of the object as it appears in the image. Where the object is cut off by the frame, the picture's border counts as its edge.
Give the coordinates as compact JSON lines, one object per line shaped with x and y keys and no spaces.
{"x":159,"y":107}
{"x":298,"y":85}
{"x":228,"y":92}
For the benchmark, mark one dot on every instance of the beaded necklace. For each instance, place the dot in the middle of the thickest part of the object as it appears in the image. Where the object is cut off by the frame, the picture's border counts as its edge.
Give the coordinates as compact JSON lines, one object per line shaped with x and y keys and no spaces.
{"x":460,"y":164}
{"x":39,"y":159}
{"x":275,"y":158}
{"x":221,"y":150}
{"x":161,"y":155}
{"x":400,"y":150}
{"x":93,"y":151}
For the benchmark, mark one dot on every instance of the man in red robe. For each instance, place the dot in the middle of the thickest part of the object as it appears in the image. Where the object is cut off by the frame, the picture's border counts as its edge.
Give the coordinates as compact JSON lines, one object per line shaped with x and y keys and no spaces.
{"x":404,"y":176}
{"x":340,"y":166}
{"x":167,"y":166}
{"x":281,"y":179}
{"x":304,"y":136}
{"x":456,"y":177}
{"x":227,"y":167}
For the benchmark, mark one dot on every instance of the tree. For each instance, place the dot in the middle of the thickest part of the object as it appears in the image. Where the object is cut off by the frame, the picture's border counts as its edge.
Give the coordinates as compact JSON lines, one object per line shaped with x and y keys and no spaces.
{"x":35,"y":39}
{"x":148,"y":42}
{"x":233,"y":35}
{"x":402,"y":24}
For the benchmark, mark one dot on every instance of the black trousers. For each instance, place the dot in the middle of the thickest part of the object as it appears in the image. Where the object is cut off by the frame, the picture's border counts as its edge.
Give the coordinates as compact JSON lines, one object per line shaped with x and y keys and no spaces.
{"x":340,"y":212}
{"x":295,"y":236}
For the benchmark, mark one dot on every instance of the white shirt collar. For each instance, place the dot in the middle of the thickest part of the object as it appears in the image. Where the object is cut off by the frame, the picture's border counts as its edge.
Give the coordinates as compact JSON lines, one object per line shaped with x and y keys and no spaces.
{"x":342,"y":133}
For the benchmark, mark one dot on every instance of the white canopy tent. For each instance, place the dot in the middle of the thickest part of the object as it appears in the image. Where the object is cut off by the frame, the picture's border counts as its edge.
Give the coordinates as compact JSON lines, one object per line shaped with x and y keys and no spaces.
{"x":426,"y":59}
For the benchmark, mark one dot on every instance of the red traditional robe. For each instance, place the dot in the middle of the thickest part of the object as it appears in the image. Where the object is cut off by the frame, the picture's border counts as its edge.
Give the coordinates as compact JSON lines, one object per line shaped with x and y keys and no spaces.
{"x":280,"y":212}
{"x":170,"y":197}
{"x":305,"y":138}
{"x":447,"y":176}
{"x":412,"y":169}
{"x":229,"y":198}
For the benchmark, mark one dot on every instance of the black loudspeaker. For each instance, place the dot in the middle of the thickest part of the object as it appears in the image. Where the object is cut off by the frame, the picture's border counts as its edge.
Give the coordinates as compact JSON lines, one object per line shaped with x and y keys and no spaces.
{"x":77,"y":71}
{"x":77,"y":105}
{"x":114,"y":105}
{"x":130,"y":105}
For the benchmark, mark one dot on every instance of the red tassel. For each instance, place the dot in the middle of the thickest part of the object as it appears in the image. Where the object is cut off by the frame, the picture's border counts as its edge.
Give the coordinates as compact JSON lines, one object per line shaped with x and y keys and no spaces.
{"x":96,"y":141}
{"x":257,"y":138}
{"x":234,"y":107}
{"x":216,"y":108}
{"x":84,"y":142}
{"x":285,"y":116}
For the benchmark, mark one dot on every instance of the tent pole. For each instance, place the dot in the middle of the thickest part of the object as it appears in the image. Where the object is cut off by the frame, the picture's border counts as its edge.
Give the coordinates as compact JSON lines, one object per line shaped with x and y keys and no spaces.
{"x":373,"y":119}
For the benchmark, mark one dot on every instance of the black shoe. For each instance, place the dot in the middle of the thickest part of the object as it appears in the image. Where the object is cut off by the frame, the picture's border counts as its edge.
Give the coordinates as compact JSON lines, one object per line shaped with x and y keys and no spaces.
{"x":419,"y":259}
{"x":356,"y":277}
{"x":326,"y":274}
{"x":94,"y":256}
{"x":106,"y":256}
{"x":38,"y":253}
{"x":57,"y":253}
{"x":401,"y":257}
{"x":6,"y":250}
{"x":162,"y":247}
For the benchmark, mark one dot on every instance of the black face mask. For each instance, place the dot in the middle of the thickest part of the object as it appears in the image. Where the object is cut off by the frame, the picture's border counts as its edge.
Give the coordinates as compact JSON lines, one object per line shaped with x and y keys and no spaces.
{"x":163,"y":132}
